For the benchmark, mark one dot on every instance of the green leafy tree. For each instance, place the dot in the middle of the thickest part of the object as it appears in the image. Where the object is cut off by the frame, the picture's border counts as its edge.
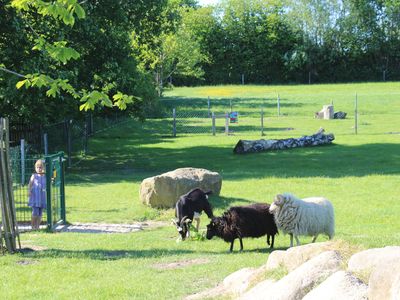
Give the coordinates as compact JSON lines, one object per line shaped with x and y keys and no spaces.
{"x":175,"y":51}
{"x":79,"y":56}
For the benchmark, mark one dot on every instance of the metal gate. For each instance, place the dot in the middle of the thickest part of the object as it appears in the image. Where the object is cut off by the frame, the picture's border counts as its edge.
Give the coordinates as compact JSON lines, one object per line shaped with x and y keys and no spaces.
{"x":55,"y":191}
{"x":22,"y":166}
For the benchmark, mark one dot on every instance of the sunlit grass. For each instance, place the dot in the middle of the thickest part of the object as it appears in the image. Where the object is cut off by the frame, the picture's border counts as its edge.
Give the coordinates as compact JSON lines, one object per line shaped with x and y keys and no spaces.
{"x":358,"y":173}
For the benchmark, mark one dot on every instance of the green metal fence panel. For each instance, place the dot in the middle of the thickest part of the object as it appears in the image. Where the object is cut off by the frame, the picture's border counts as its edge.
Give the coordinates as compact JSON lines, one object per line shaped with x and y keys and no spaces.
{"x":55,"y":190}
{"x":22,"y":169}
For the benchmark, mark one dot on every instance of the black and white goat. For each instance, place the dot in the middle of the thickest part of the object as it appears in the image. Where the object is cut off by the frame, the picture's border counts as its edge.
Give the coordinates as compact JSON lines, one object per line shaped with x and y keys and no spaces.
{"x":239,"y":222}
{"x":189,"y":207}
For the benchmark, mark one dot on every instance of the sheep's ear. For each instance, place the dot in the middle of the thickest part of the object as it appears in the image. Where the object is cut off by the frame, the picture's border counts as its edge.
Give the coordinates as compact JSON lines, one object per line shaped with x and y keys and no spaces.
{"x":187,"y":221}
{"x":173,"y":221}
{"x":279,"y":199}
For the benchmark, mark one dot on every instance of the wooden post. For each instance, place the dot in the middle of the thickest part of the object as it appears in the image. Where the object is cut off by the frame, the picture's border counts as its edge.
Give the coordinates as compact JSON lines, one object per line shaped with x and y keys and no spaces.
{"x":208,"y":106}
{"x":9,"y":219}
{"x":174,"y":122}
{"x":46,"y":145}
{"x":227,"y":123}
{"x":213,"y":123}
{"x":262,"y":122}
{"x":230,"y":105}
{"x":356,"y":115}
{"x":242,"y":79}
{"x":279,"y":105}
{"x":22,"y":162}
{"x":384,"y":75}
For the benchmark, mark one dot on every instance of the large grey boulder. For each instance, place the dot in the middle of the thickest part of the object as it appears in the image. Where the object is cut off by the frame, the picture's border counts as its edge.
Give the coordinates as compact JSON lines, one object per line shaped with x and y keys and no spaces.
{"x":384,"y":282}
{"x":299,"y":282}
{"x":340,"y":285}
{"x":163,"y":191}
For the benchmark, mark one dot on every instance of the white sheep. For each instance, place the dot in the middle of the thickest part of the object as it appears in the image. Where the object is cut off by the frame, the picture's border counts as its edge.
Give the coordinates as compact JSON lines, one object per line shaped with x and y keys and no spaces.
{"x":308,"y":216}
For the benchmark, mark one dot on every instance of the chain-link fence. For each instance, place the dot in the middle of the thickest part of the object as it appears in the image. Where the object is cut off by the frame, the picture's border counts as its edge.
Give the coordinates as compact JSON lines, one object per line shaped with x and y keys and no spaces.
{"x":70,"y":136}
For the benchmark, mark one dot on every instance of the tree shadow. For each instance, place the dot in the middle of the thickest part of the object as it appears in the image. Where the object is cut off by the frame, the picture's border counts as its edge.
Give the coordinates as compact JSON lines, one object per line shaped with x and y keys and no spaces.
{"x":217,"y":105}
{"x":103,"y":254}
{"x":220,"y":202}
{"x":334,"y":161}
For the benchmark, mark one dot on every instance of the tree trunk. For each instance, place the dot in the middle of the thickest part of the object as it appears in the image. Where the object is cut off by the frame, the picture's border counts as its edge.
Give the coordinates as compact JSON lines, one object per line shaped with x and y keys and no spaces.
{"x":319,"y":138}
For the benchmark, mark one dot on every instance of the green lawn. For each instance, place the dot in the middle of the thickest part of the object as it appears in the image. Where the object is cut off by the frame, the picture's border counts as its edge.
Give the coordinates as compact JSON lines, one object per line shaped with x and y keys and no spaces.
{"x":360,"y":174}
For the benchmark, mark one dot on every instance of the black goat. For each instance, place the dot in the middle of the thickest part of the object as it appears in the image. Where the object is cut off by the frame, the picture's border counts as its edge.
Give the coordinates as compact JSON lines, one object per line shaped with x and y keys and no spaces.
{"x":190,"y":206}
{"x":239,"y":222}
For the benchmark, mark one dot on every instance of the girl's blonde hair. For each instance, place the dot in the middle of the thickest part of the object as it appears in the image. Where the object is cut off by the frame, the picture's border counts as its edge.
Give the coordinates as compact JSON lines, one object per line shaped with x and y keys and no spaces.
{"x":39,"y":162}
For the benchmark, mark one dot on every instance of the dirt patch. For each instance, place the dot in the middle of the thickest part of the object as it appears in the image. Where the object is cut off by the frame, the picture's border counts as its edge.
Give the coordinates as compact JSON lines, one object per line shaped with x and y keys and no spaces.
{"x":27,"y":262}
{"x":109,"y":228}
{"x":181,"y":264}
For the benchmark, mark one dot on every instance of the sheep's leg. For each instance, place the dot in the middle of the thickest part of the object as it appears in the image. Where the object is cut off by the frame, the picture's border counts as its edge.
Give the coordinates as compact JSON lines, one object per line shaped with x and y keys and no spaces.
{"x":291,"y":239}
{"x":241,"y":244}
{"x":273,"y":239}
{"x":297,"y":240}
{"x":314,"y":238}
{"x":268,"y":237}
{"x":231,"y":249}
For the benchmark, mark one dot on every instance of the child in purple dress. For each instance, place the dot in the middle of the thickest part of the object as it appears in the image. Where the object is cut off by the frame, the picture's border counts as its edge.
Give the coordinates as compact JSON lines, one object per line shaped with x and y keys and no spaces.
{"x":37,"y":193}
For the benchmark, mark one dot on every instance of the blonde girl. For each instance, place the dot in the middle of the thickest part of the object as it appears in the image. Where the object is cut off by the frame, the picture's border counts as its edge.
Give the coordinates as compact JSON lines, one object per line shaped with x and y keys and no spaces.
{"x":37,"y":193}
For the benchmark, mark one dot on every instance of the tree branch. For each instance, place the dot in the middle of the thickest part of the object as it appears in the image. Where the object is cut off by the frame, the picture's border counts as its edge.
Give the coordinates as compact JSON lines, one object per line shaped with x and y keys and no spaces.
{"x":12,"y":72}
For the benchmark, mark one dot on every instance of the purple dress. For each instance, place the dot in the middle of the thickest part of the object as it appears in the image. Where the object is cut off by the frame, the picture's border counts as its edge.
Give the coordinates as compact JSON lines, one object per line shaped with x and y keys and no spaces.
{"x":38,"y":191}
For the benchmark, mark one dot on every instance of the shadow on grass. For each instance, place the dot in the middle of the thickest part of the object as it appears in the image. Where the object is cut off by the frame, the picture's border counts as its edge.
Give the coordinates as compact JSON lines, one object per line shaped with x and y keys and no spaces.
{"x":102,"y":254}
{"x":334,"y":161}
{"x":200,"y":105}
{"x":219,"y":202}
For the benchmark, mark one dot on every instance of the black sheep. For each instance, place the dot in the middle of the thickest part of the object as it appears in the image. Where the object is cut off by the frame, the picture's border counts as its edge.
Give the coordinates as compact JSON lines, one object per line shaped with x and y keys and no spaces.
{"x":190,"y":206}
{"x":239,"y":222}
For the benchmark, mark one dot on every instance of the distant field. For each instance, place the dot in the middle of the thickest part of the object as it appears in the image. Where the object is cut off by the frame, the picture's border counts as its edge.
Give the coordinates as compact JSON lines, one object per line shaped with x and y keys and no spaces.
{"x":360,"y":174}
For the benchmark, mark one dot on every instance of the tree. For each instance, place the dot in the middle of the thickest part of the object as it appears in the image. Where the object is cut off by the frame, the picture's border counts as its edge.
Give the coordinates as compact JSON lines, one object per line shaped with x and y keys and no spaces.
{"x":176,"y":51}
{"x":97,"y":69}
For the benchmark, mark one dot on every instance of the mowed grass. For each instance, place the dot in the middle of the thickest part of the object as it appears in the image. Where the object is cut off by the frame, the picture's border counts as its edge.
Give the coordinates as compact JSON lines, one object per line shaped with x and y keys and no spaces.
{"x":360,"y":174}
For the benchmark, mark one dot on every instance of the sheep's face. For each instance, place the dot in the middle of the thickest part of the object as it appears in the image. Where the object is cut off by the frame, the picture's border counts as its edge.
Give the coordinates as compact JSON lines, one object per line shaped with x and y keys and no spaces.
{"x":211,"y":229}
{"x":277,"y":204}
{"x":183,"y":227}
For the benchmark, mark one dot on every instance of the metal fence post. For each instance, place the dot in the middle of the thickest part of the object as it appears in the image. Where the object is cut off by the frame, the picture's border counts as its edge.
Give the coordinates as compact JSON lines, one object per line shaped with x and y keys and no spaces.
{"x":22,"y":162}
{"x":279,"y":105}
{"x":227,"y":123}
{"x":262,"y":122}
{"x":62,"y":189}
{"x":174,"y":122}
{"x":46,"y":145}
{"x":213,"y":123}
{"x":85,"y":144}
{"x":208,"y":105}
{"x":69,"y":141}
{"x":355,"y":115}
{"x":91,"y":124}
